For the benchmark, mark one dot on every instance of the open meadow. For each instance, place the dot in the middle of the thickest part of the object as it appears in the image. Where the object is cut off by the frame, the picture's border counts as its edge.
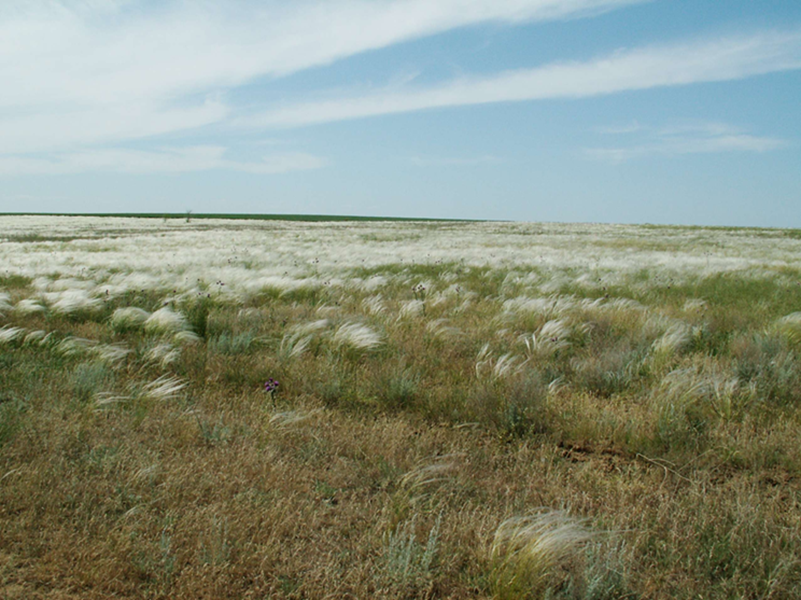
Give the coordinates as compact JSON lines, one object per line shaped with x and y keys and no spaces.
{"x":213,"y":408}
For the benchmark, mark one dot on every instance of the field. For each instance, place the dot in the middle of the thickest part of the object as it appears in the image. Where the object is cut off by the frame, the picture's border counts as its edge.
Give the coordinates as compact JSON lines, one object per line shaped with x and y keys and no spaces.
{"x":209,"y":408}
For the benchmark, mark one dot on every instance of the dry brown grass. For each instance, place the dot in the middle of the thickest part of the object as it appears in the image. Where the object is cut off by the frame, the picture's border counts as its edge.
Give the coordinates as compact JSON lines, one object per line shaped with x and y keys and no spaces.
{"x":386,"y":471}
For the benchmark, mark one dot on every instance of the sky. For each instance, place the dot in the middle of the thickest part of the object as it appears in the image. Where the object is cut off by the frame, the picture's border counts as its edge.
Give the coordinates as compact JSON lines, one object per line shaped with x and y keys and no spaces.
{"x":613,"y":111}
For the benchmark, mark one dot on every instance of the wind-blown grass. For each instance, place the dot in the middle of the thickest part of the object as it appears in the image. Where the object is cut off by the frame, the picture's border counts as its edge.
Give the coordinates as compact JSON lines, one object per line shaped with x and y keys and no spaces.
{"x":531,"y":555}
{"x":436,"y":379}
{"x":129,"y":318}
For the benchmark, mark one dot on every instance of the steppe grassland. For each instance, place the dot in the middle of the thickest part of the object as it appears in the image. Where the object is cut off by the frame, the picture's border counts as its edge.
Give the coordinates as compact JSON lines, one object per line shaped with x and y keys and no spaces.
{"x":463,"y":410}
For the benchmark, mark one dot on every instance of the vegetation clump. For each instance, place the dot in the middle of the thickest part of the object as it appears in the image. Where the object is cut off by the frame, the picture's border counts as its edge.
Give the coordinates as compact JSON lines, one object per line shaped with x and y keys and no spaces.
{"x":465,"y":410}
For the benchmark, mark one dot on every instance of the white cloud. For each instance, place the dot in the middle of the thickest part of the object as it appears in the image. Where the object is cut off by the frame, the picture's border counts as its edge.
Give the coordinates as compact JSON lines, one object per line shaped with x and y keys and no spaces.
{"x":168,"y":160}
{"x":697,"y":138}
{"x":98,"y":57}
{"x":82,"y":77}
{"x":632,"y":127}
{"x":722,"y":59}
{"x":69,"y":128}
{"x":91,"y":71}
{"x":442,"y":161}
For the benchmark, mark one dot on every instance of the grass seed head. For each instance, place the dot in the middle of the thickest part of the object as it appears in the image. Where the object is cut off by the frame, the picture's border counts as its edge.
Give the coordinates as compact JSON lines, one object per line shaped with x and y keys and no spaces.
{"x":356,"y":337}
{"x":75,"y":346}
{"x":530,"y":554}
{"x":165,"y":321}
{"x":112,"y":354}
{"x":29,"y":306}
{"x":790,"y":328}
{"x":72,"y":301}
{"x":10,"y":334}
{"x":162,"y":354}
{"x":674,"y":340}
{"x":128,"y":318}
{"x":5,"y":302}
{"x":164,"y":388}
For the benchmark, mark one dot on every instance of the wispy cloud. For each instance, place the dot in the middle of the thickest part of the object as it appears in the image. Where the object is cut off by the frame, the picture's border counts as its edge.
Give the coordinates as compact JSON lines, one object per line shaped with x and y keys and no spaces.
{"x":632,"y":127}
{"x":169,"y":160}
{"x":80,"y":72}
{"x":722,"y":59}
{"x":68,"y":127}
{"x":83,"y":78}
{"x":676,"y":140}
{"x":443,"y":161}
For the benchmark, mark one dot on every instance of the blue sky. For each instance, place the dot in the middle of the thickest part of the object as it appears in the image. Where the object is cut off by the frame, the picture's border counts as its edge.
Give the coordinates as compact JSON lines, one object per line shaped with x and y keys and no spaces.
{"x":630,"y":111}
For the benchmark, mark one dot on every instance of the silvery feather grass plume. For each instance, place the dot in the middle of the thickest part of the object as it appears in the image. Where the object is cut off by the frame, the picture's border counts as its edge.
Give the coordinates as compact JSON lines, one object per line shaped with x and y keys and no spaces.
{"x":454,"y":290}
{"x":442,"y":330}
{"x":327,"y":311}
{"x":790,"y":327}
{"x":420,"y":479}
{"x":556,"y":386}
{"x":70,"y":284}
{"x":164,"y":388}
{"x":311,"y":327}
{"x":552,"y":306}
{"x":728,"y":396}
{"x":657,"y":324}
{"x":507,"y":365}
{"x":248,"y":313}
{"x":35,"y":336}
{"x":555,"y":282}
{"x":163,"y":354}
{"x":186,"y":337}
{"x":9,"y":334}
{"x":141,"y":249}
{"x":465,"y":304}
{"x":49,"y":339}
{"x":500,"y":368}
{"x":484,"y":353}
{"x":410,"y":308}
{"x":357,"y":337}
{"x":112,"y":354}
{"x":373,"y":305}
{"x":525,"y":304}
{"x":71,"y":301}
{"x":552,"y":336}
{"x":73,"y":346}
{"x":373,"y":283}
{"x":107,"y":399}
{"x":590,"y":305}
{"x":5,"y":302}
{"x":29,"y":306}
{"x":128,"y":318}
{"x":720,"y":392}
{"x":165,"y":320}
{"x":527,"y":553}
{"x":674,"y":340}
{"x":686,"y":383}
{"x":624,"y":304}
{"x":439,"y":298}
{"x":40,"y":284}
{"x":294,"y":345}
{"x":695,"y":305}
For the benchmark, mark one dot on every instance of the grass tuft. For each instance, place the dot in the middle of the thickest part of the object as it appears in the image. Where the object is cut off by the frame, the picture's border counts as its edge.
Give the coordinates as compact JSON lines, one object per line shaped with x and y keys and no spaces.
{"x":532,"y":556}
{"x":129,"y":318}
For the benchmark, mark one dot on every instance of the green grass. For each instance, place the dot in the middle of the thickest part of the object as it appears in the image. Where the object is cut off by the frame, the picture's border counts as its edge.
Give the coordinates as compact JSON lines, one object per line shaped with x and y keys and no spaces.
{"x":502,"y":440}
